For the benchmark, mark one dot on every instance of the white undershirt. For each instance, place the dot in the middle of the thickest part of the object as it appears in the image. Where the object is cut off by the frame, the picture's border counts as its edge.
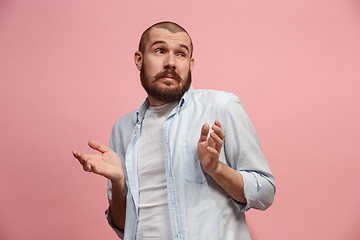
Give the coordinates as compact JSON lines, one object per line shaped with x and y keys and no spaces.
{"x":154,"y":220}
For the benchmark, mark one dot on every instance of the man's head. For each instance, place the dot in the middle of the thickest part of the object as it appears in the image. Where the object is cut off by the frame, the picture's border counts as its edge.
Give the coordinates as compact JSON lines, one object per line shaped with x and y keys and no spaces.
{"x":170,"y":26}
{"x":165,"y":62}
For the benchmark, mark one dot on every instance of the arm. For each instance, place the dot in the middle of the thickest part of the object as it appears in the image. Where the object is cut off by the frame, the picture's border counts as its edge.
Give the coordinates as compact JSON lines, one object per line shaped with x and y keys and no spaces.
{"x":108,"y":164}
{"x":208,"y":152}
{"x":242,"y":152}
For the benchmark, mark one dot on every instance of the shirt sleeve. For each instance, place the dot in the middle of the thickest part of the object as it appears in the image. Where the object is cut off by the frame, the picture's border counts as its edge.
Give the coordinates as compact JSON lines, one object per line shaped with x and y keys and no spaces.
{"x":118,"y":231}
{"x":243,"y":153}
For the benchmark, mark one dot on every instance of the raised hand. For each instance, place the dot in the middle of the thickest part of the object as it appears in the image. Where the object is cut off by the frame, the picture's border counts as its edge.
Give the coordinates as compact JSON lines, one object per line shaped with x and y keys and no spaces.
{"x":209,"y":148}
{"x":107,"y":163}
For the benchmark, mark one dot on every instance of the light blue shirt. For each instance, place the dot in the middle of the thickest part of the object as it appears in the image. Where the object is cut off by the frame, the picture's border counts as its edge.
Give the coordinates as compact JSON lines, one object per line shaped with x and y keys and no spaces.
{"x":199,"y":208}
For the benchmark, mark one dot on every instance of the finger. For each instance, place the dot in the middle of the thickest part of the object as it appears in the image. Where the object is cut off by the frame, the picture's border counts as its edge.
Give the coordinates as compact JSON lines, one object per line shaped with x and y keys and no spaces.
{"x":78,"y":156}
{"x":87,"y":167}
{"x":217,"y":123}
{"x":204,"y":132}
{"x":211,"y":141}
{"x":97,"y":146}
{"x":217,"y":141}
{"x":213,"y":152}
{"x":83,"y":160}
{"x":74,"y":153}
{"x":218,"y":131}
{"x":86,"y":163}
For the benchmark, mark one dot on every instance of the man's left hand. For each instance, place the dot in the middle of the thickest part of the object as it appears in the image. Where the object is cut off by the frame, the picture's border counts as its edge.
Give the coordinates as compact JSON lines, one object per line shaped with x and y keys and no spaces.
{"x":209,"y":147}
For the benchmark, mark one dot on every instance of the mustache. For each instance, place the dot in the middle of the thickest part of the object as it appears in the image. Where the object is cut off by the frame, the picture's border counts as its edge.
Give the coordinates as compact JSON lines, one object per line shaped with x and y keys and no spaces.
{"x":168,"y":73}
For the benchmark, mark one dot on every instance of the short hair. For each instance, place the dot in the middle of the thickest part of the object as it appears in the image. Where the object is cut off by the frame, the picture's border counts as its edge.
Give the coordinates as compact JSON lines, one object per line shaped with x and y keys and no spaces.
{"x":170,"y":26}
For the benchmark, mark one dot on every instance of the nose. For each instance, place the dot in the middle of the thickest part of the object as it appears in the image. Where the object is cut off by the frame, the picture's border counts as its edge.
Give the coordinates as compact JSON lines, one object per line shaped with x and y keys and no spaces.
{"x":170,"y":61}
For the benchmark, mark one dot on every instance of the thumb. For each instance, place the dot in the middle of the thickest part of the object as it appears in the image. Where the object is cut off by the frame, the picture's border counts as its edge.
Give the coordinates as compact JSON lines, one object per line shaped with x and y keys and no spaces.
{"x":97,"y":146}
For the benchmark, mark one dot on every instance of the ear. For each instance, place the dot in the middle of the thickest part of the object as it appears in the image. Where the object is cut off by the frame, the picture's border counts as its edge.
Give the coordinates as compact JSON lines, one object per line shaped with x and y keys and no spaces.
{"x":192,"y":63}
{"x":138,"y":58}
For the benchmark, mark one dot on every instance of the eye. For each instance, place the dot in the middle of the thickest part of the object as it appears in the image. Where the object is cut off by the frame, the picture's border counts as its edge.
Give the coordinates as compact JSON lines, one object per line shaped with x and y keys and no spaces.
{"x":159,"y":50}
{"x":181,"y":54}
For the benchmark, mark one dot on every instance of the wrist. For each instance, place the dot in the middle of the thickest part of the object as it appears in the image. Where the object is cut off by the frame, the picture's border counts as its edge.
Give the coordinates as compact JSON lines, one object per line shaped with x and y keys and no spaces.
{"x":216,"y":171}
{"x":118,"y":182}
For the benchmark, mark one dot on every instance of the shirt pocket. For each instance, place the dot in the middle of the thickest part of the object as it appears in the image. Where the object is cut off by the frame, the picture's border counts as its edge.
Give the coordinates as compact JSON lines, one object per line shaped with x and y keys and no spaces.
{"x":193,"y":171}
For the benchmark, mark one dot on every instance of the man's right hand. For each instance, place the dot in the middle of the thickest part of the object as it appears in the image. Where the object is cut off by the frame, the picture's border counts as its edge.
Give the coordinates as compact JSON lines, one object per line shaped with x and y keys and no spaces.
{"x":107,"y":163}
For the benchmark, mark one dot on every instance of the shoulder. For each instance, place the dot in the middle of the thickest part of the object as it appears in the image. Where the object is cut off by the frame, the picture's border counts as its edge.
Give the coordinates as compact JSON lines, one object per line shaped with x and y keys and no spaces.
{"x":124,"y":124}
{"x":121,"y":132}
{"x":215,"y":98}
{"x":126,"y":121}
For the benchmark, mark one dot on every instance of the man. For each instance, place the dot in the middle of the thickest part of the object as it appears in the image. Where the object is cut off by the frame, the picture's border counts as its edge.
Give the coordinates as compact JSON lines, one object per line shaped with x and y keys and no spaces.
{"x":166,"y":182}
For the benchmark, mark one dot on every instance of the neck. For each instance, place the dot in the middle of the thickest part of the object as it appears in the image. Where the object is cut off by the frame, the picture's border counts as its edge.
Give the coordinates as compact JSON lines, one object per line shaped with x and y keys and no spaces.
{"x":156,"y":103}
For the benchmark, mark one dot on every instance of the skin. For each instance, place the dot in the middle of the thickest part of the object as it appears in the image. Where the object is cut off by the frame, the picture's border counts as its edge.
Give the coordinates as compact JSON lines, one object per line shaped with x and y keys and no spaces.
{"x":164,"y":50}
{"x":108,"y":164}
{"x":208,"y":150}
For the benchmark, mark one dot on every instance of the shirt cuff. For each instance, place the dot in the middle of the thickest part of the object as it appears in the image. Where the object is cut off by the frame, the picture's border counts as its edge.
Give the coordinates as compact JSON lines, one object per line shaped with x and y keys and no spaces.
{"x":118,"y":231}
{"x":251,"y":191}
{"x":258,"y":191}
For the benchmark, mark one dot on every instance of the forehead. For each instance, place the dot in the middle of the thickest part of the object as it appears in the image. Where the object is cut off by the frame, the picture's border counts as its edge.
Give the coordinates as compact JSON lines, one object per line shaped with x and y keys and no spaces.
{"x":164,"y":35}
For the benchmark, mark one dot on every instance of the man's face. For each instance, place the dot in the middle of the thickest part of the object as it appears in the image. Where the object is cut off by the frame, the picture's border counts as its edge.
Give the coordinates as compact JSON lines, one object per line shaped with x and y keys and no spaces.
{"x":166,"y":65}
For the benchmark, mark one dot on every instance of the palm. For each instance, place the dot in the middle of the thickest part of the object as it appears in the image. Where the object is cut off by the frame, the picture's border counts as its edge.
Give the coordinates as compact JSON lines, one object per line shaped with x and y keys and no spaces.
{"x":209,"y":148}
{"x":107,"y":163}
{"x":207,"y":159}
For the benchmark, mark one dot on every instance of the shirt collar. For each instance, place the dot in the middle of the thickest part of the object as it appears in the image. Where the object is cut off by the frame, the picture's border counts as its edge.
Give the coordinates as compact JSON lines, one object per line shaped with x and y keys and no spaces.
{"x":185,"y":98}
{"x":144,"y":106}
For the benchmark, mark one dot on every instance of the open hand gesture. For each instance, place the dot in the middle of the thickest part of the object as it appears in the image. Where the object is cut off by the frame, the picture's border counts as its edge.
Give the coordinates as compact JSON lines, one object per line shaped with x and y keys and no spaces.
{"x":107,"y":163}
{"x":209,"y":148}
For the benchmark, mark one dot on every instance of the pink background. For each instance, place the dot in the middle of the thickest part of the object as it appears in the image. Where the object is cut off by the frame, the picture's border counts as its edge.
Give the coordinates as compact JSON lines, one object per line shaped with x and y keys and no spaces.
{"x":67,"y":74}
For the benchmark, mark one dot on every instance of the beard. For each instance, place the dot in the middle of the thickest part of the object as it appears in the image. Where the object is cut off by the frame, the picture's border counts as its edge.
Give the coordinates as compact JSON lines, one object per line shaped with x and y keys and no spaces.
{"x":160,"y":93}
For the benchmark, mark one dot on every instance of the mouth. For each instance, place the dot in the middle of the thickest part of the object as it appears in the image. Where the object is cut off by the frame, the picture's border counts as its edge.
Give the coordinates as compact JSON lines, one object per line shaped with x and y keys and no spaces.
{"x":169,"y":81}
{"x":168,"y":77}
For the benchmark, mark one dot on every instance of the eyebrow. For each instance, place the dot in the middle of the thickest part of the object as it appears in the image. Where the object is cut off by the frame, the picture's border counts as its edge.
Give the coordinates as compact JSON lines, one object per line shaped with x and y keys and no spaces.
{"x":163,"y":42}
